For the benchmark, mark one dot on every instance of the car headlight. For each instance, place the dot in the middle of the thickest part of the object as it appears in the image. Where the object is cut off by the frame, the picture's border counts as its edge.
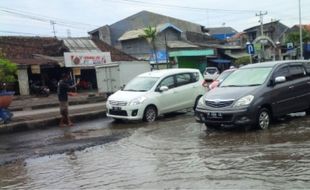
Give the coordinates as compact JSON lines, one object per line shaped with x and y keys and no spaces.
{"x":244,"y":101}
{"x":201,"y":102}
{"x":137,"y":101}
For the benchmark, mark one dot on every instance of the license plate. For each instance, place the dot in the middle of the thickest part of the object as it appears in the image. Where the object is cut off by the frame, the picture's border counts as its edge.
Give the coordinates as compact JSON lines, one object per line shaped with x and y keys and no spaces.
{"x":215,"y":115}
{"x":116,"y":108}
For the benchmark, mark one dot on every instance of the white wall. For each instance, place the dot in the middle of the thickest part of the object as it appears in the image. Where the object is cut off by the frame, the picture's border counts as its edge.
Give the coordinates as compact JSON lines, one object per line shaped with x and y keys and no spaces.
{"x":130,"y":69}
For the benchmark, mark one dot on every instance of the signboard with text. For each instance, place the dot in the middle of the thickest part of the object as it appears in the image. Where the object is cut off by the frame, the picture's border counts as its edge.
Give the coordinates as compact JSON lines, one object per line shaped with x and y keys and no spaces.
{"x":82,"y":59}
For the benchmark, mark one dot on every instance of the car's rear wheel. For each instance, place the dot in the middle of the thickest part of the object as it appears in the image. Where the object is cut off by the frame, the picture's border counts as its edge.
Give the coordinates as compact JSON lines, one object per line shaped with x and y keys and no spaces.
{"x":150,"y":114}
{"x":263,"y":119}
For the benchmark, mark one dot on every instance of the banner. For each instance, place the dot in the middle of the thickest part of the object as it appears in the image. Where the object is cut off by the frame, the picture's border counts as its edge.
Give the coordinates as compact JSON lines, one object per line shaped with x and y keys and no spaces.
{"x":35,"y":69}
{"x":77,"y":71}
{"x":78,"y":59}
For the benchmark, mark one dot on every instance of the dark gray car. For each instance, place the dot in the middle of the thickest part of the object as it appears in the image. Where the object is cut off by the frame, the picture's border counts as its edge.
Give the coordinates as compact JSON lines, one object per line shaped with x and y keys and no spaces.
{"x":256,"y":93}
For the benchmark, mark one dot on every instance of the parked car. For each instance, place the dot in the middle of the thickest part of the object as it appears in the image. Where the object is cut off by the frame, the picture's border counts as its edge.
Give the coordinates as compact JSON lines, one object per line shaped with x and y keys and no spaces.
{"x":157,"y":92}
{"x":211,"y":73}
{"x":220,"y":78}
{"x":256,"y":93}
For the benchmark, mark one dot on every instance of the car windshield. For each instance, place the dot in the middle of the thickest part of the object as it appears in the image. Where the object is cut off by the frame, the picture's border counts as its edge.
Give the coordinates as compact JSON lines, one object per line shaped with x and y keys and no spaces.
{"x":141,"y":84}
{"x":247,"y":77}
{"x":224,"y":75}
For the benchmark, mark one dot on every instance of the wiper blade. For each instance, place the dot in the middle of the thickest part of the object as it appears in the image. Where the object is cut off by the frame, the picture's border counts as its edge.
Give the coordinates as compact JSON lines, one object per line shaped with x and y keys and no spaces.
{"x":231,"y":86}
{"x":253,"y":85}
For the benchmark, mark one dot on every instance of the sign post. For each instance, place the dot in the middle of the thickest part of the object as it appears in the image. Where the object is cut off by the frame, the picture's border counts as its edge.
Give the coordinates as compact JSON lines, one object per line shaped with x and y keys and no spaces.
{"x":250,"y":50}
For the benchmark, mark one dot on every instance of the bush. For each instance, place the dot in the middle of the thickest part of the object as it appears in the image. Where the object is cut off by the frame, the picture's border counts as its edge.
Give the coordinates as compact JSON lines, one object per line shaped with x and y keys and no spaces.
{"x":7,"y":71}
{"x":243,"y":61}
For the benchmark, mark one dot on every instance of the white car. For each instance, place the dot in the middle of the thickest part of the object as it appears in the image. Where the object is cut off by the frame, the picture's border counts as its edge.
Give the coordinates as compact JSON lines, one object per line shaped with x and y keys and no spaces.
{"x":211,"y":73}
{"x":157,"y":92}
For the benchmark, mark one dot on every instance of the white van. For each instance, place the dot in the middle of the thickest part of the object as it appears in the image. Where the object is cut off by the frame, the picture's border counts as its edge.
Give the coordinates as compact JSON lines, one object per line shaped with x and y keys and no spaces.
{"x":157,"y":92}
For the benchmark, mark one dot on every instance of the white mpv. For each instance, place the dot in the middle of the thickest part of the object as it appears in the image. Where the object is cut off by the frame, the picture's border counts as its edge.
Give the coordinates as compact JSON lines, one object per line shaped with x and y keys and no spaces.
{"x":157,"y":92}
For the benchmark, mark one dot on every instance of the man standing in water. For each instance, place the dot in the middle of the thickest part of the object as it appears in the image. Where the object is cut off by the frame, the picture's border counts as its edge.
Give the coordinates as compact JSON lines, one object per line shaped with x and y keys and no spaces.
{"x":62,"y":91}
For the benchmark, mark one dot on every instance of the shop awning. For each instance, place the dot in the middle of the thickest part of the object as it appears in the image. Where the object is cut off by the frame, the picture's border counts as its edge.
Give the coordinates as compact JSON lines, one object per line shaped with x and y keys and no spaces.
{"x":188,"y":53}
{"x":223,"y":61}
{"x":59,"y":60}
{"x":237,"y":55}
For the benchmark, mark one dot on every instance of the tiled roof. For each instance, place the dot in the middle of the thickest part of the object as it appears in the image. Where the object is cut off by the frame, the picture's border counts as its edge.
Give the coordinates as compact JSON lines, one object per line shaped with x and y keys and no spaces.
{"x":116,"y":54}
{"x":21,"y":49}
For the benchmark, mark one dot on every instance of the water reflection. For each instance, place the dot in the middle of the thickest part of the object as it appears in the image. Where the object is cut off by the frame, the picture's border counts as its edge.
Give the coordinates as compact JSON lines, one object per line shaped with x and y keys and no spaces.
{"x":177,"y":153}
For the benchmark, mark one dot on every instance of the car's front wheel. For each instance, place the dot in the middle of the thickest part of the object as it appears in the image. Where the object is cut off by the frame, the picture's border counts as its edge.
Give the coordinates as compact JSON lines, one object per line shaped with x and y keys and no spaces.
{"x":263,"y":119}
{"x":308,"y":111}
{"x":150,"y":114}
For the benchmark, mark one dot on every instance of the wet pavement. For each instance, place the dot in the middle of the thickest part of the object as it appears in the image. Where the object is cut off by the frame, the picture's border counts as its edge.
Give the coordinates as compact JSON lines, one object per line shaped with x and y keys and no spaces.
{"x":173,"y":152}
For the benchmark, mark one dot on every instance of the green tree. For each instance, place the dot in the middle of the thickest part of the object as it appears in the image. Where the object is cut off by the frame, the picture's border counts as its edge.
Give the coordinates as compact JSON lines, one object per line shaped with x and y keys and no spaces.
{"x":294,"y":37}
{"x":7,"y":70}
{"x":150,"y":35}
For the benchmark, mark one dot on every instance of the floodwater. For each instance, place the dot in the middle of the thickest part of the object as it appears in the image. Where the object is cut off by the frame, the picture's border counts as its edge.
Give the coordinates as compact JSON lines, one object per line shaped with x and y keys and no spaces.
{"x":176,"y":153}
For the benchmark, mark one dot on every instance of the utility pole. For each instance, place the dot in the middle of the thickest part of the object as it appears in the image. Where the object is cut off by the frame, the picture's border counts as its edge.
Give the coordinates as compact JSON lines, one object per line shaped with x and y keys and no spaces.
{"x":68,"y":33}
{"x":53,"y":25}
{"x":261,"y":20}
{"x":300,"y":33}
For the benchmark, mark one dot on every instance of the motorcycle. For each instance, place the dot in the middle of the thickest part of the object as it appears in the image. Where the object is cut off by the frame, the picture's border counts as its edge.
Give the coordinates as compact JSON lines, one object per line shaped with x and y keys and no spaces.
{"x":38,"y":89}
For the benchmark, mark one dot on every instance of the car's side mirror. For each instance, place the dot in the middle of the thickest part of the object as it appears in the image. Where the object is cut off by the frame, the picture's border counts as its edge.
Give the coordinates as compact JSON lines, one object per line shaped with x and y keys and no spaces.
{"x":163,"y":88}
{"x":279,"y":79}
{"x":122,"y":87}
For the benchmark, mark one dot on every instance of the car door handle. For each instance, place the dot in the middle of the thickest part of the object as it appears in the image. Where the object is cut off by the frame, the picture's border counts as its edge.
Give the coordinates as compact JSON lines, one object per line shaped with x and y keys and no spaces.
{"x":291,"y":87}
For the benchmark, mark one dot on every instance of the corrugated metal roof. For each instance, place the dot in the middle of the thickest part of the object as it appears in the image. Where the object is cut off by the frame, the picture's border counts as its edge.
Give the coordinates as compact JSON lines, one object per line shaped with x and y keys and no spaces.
{"x":80,"y":45}
{"x":134,"y":34}
{"x":180,"y":44}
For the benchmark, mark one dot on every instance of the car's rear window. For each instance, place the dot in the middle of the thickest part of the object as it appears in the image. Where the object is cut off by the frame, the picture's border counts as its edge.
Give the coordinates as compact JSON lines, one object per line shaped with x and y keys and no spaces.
{"x":211,"y":70}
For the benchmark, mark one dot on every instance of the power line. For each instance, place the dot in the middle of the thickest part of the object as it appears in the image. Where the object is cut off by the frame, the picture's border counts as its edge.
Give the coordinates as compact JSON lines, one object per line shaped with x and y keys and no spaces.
{"x":183,"y":7}
{"x":12,"y":32}
{"x":43,"y":17}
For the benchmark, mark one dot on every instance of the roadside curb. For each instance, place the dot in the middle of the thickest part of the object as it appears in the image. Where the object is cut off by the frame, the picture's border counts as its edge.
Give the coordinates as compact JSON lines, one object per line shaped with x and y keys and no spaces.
{"x":49,"y":122}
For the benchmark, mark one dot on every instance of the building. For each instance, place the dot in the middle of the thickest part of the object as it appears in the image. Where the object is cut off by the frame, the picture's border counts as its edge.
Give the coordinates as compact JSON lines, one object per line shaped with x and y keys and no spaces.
{"x":112,"y":33}
{"x":221,"y":33}
{"x":42,"y":60}
{"x":266,"y":45}
{"x":174,"y":42}
{"x":274,"y":30}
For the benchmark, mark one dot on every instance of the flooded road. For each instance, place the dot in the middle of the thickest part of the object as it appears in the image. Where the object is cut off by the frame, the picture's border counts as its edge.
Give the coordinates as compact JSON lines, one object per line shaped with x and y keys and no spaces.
{"x":173,"y":152}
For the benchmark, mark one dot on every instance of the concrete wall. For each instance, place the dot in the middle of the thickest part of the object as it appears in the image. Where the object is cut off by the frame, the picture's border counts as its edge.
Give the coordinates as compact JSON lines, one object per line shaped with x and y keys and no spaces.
{"x":129,"y":69}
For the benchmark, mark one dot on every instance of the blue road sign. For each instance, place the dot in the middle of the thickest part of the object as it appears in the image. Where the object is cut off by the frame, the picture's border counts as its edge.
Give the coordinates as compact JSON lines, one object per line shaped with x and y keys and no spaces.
{"x":250,"y":49}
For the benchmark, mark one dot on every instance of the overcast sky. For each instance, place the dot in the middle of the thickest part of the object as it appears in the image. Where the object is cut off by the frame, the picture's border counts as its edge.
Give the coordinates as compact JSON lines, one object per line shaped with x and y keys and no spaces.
{"x":77,"y":17}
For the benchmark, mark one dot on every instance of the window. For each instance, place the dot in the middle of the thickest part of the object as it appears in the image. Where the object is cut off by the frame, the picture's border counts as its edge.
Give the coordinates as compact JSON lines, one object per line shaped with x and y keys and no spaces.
{"x":297,"y":71}
{"x":195,"y":77}
{"x":283,"y":71}
{"x":183,"y":79}
{"x":169,"y":82}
